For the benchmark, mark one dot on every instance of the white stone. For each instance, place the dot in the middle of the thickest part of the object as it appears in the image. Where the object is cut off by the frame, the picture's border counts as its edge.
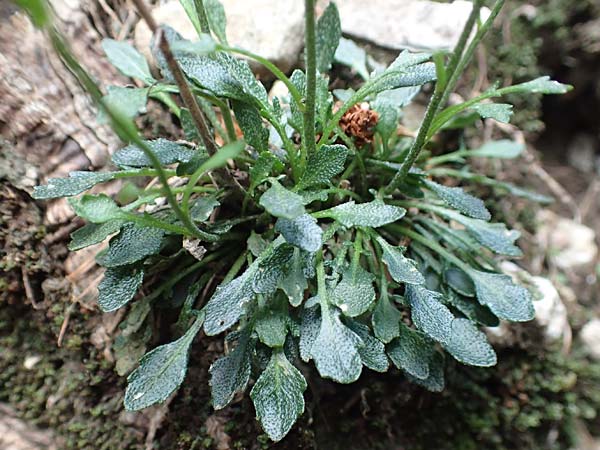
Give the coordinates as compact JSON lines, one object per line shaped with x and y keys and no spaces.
{"x":550,"y":311}
{"x":571,"y":245}
{"x":406,"y":24}
{"x":271,"y":29}
{"x":590,"y":336}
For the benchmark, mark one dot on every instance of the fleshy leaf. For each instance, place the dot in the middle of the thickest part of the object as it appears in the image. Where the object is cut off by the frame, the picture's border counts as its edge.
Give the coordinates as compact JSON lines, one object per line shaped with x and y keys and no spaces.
{"x":460,"y":200}
{"x":167,"y":152}
{"x":250,"y":121}
{"x":97,"y":208}
{"x":429,"y":314}
{"x":309,"y":331}
{"x":353,"y":56}
{"x":502,"y":112}
{"x":93,"y":233}
{"x":355,"y":293}
{"x":262,"y":168}
{"x":127,"y":59}
{"x":386,"y":320}
{"x":328,"y":33}
{"x":216,"y":19}
{"x":373,"y":214}
{"x":202,"y":208}
{"x":160,"y":373}
{"x":505,"y":299}
{"x":322,"y":165}
{"x":280,"y":202}
{"x":130,"y":102}
{"x":278,"y":396}
{"x":503,"y":149}
{"x":132,"y":244}
{"x":302,"y":232}
{"x":372,"y":353}
{"x":401,"y":268}
{"x":411,"y":352}
{"x":294,"y":283}
{"x":271,"y":325}
{"x":542,"y":85}
{"x":469,"y":345}
{"x":78,"y":182}
{"x":435,"y":380}
{"x":118,"y":287}
{"x":335,"y":349}
{"x":231,"y":373}
{"x":460,"y":281}
{"x":271,"y":268}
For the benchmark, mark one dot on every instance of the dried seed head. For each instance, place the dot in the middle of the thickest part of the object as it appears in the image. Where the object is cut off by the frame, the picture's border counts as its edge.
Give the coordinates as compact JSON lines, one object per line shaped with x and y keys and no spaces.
{"x":359,"y":122}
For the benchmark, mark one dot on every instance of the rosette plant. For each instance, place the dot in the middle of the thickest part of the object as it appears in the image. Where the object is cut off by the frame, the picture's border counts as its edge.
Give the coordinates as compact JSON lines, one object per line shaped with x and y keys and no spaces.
{"x":303,"y":228}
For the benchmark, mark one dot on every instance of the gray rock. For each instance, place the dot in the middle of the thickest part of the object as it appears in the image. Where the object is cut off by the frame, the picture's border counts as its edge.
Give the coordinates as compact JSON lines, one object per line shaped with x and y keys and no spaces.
{"x":406,"y":24}
{"x":272,"y":29}
{"x":590,"y":336}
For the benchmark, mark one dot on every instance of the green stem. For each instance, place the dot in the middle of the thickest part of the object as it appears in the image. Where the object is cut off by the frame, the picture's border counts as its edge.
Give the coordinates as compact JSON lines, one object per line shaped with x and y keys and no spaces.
{"x":235,"y":268}
{"x":308,"y":141}
{"x":471,"y":50}
{"x":202,"y":17}
{"x":273,"y":69}
{"x":435,"y":102}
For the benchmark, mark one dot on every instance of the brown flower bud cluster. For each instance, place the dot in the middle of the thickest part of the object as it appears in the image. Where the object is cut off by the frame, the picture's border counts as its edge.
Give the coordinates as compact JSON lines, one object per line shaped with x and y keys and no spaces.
{"x":359,"y":122}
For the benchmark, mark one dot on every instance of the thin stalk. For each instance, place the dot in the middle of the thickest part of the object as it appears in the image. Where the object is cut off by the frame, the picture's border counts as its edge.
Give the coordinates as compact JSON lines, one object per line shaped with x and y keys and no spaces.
{"x":271,"y":68}
{"x":471,"y":50}
{"x":235,"y":268}
{"x":435,"y":102}
{"x":308,"y":141}
{"x":203,"y":18}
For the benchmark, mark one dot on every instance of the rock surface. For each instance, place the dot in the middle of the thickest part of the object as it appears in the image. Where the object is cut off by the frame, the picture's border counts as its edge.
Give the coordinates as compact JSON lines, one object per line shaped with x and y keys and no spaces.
{"x":272,"y":29}
{"x":16,"y":434}
{"x":571,"y":245}
{"x":400,"y":24}
{"x":590,"y":336}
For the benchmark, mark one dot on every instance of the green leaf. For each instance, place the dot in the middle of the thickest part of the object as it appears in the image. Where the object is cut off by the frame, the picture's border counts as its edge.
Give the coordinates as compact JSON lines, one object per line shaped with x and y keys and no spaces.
{"x":373,"y":214}
{"x":335,"y":349}
{"x":228,"y":303}
{"x":77,"y":183}
{"x":131,"y":245}
{"x":231,"y":373}
{"x":251,"y":124}
{"x":407,"y":70}
{"x":411,"y":352}
{"x":130,"y":102}
{"x":401,"y":268}
{"x":460,"y":281}
{"x":203,"y":207}
{"x":189,"y":7}
{"x":97,"y":208}
{"x":203,"y":46}
{"x":473,"y":310}
{"x":93,"y":233}
{"x":503,"y":149}
{"x":271,"y":325}
{"x":322,"y":165}
{"x":429,"y":314}
{"x":280,"y":202}
{"x":127,"y":60}
{"x":264,"y":165}
{"x":355,"y":293}
{"x":167,"y":152}
{"x":118,"y":287}
{"x":295,"y":283}
{"x":327,"y":34}
{"x":386,"y":320}
{"x":160,"y":373}
{"x":460,"y":200}
{"x":542,"y":85}
{"x":278,"y":396}
{"x":494,"y":236}
{"x":303,"y":232}
{"x":502,"y":112}
{"x":216,"y":19}
{"x":469,"y":345}
{"x":272,"y":267}
{"x":372,"y":353}
{"x":353,"y":56}
{"x":435,"y":380}
{"x":505,"y":299}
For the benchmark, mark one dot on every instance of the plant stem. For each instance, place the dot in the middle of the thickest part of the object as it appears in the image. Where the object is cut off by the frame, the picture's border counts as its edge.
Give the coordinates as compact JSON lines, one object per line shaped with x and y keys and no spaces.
{"x":308,"y":141}
{"x":470,"y":50}
{"x":204,"y":27}
{"x":435,"y":102}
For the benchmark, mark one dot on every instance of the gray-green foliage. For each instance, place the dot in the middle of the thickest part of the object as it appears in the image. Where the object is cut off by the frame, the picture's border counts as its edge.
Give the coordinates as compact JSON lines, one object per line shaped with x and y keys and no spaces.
{"x":294,"y":251}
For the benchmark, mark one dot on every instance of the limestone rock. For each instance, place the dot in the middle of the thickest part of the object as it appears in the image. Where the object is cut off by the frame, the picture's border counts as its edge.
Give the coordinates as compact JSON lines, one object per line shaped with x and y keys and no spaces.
{"x":571,"y":244}
{"x":590,"y":336}
{"x":272,"y":29}
{"x":406,"y":24}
